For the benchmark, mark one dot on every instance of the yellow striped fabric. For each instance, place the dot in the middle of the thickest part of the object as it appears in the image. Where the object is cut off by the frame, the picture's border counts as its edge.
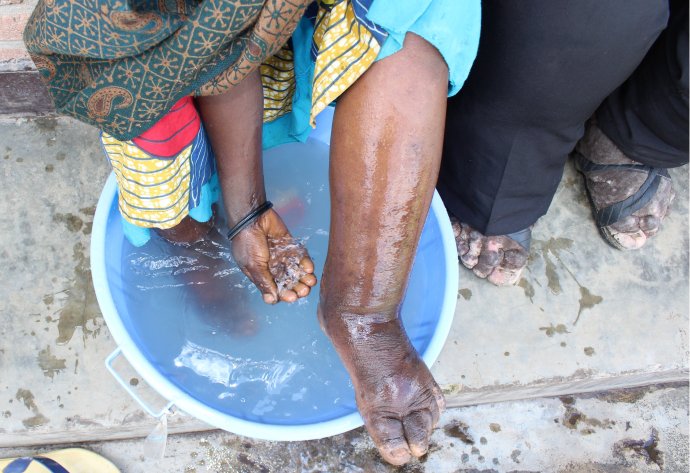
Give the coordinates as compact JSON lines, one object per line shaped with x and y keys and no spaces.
{"x":153,"y":192}
{"x":278,"y":79}
{"x":346,"y":50}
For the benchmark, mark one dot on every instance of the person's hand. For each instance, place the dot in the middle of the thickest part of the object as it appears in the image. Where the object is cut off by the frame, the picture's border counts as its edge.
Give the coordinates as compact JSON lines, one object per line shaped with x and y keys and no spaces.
{"x":276,"y":263}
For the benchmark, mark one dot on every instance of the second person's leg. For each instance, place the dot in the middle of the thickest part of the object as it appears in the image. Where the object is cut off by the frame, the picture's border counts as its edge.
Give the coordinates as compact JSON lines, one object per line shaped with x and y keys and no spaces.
{"x":542,"y":69}
{"x":641,"y":129}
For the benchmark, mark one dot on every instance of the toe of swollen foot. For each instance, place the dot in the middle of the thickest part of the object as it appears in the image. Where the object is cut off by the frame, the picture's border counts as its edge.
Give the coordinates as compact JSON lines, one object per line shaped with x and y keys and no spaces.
{"x":418,"y":426}
{"x":389,"y":437}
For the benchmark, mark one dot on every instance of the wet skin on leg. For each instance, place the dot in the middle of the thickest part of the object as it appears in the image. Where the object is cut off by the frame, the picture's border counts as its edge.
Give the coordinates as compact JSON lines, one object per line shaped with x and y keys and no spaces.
{"x":385,"y":155}
{"x":264,"y":250}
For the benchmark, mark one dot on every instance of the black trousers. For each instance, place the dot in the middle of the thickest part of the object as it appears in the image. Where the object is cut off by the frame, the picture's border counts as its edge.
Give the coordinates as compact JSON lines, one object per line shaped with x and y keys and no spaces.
{"x":544,"y":67}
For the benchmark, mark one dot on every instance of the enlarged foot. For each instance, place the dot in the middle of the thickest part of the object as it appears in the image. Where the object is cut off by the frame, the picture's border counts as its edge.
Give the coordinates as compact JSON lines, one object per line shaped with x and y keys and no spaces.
{"x":629,"y":200}
{"x":396,"y":394}
{"x":499,"y":259}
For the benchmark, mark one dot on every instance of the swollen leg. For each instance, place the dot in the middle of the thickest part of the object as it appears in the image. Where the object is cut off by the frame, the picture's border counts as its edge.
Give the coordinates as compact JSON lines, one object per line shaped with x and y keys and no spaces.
{"x":385,"y":154}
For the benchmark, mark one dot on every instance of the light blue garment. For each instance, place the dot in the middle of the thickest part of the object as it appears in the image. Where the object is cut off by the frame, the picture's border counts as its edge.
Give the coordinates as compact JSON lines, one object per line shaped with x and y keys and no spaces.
{"x":295,"y":125}
{"x":452,"y":26}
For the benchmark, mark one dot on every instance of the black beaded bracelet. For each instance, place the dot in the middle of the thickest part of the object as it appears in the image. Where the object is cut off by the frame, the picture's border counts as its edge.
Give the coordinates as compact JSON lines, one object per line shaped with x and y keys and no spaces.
{"x":251,"y":216}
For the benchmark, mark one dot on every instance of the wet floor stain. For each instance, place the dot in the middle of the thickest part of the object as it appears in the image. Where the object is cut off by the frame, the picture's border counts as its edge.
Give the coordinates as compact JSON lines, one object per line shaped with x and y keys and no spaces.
{"x":550,"y":251}
{"x":46,"y":124}
{"x":73,"y":222}
{"x":575,"y":420}
{"x":552,"y":330}
{"x":451,"y":389}
{"x":587,"y":301}
{"x":88,"y":221}
{"x":570,"y":181}
{"x":465,"y":294}
{"x":459,"y":430}
{"x":528,"y":288}
{"x":515,"y":456}
{"x":27,"y":398}
{"x":49,"y":363}
{"x":244,"y":459}
{"x":80,"y":308}
{"x":628,"y":396}
{"x":552,"y":278}
{"x":89,"y":211}
{"x":352,"y":452}
{"x":648,"y":449}
{"x":35,"y":421}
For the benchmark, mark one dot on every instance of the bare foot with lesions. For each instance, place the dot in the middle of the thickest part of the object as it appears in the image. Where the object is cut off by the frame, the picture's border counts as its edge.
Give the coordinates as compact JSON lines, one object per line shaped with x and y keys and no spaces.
{"x":629,"y":200}
{"x":499,"y":259}
{"x":396,"y":394}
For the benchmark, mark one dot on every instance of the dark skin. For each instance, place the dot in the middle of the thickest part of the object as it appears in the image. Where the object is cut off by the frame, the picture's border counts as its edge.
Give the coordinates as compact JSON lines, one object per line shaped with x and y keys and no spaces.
{"x":213,"y":296}
{"x":265,"y":248}
{"x":385,"y":156}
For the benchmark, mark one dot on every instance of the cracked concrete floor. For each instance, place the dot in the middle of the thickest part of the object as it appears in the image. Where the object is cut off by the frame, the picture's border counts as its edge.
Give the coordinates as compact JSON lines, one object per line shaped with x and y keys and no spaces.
{"x":584,"y":318}
{"x":625,"y":431}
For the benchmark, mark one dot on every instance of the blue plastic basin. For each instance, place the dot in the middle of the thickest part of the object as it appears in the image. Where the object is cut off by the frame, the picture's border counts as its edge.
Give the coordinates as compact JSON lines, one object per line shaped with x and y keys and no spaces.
{"x":160,"y":344}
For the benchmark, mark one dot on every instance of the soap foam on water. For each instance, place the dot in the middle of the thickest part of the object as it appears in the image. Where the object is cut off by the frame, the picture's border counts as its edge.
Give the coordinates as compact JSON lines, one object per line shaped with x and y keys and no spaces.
{"x":231,"y":371}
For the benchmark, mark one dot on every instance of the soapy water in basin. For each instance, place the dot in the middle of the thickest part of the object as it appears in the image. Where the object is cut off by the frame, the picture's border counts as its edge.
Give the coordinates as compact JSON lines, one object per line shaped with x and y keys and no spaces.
{"x":203,"y":324}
